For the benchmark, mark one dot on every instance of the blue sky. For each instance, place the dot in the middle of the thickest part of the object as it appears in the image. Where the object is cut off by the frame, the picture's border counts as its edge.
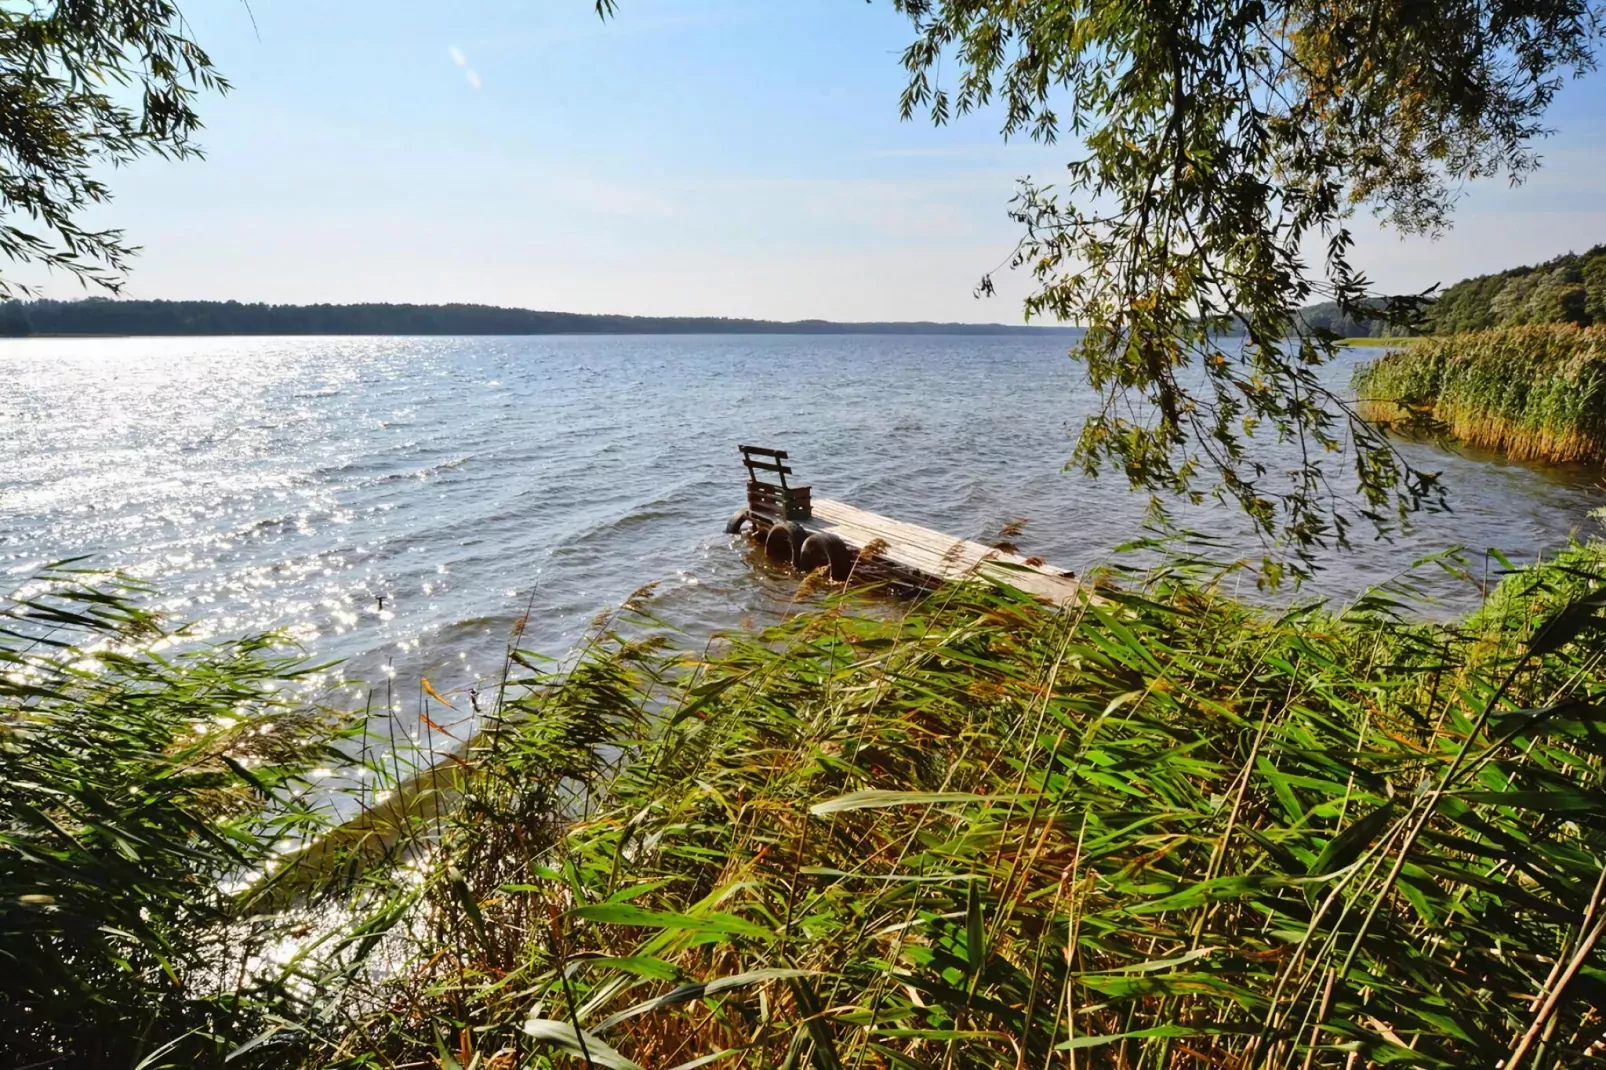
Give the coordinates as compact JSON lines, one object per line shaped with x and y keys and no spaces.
{"x":688,"y":157}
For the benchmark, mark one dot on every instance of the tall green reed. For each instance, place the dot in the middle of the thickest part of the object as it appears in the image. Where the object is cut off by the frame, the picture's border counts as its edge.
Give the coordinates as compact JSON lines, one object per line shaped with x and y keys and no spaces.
{"x":1535,"y":392}
{"x":141,"y":776}
{"x":1162,"y":829}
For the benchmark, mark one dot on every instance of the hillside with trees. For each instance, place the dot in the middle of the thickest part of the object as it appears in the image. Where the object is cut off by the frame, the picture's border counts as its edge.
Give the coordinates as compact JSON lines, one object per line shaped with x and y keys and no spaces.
{"x":1568,"y":289}
{"x":1329,"y":317}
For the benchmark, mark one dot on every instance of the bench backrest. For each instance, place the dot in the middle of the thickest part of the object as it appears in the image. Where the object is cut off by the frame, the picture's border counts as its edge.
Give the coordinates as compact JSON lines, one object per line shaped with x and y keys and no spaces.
{"x":774,"y":501}
{"x":759,"y":459}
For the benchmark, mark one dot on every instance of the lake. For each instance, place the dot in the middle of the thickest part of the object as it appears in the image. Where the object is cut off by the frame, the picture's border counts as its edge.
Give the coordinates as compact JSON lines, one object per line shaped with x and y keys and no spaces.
{"x":400,"y":502}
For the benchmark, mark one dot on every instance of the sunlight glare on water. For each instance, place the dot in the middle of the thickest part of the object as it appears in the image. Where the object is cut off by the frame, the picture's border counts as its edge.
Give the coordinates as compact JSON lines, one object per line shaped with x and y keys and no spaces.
{"x":400,"y":502}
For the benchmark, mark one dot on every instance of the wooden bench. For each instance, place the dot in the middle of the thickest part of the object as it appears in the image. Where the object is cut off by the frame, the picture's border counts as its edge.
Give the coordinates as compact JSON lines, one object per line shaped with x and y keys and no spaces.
{"x":809,"y":534}
{"x":774,"y":502}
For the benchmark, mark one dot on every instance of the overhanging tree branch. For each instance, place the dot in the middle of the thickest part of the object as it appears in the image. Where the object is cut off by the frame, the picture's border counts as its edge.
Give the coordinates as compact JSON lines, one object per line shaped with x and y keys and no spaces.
{"x":1224,"y":135}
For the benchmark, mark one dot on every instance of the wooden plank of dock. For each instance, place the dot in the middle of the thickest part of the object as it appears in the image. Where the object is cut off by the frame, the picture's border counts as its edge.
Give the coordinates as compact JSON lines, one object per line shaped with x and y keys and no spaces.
{"x":932,"y":554}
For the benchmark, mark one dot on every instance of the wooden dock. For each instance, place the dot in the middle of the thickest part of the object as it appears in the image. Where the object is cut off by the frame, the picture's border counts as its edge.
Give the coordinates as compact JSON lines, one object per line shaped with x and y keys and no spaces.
{"x":937,"y":556}
{"x":811,"y":532}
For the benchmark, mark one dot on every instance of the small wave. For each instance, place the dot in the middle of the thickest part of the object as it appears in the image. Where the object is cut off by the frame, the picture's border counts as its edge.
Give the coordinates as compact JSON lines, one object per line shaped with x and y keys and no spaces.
{"x":417,"y":473}
{"x":455,"y":462}
{"x":496,"y":624}
{"x":676,"y":503}
{"x":367,"y":478}
{"x":265,"y":524}
{"x":621,"y":525}
{"x":324,"y":472}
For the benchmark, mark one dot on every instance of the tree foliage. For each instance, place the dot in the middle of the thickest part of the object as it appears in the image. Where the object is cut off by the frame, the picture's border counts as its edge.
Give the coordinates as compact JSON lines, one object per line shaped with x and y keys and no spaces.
{"x":1219,"y":142}
{"x":86,"y":85}
{"x":1327,"y":316}
{"x":1568,"y":289}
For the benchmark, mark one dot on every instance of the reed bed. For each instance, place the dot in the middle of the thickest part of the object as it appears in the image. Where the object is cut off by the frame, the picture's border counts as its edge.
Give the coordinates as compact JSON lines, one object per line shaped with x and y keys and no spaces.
{"x":1160,"y":830}
{"x":1534,"y":392}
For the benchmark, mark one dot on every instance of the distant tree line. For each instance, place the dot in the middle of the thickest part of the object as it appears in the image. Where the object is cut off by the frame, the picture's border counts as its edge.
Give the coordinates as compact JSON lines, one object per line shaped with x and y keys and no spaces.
{"x":102,"y":316}
{"x":1568,"y":289}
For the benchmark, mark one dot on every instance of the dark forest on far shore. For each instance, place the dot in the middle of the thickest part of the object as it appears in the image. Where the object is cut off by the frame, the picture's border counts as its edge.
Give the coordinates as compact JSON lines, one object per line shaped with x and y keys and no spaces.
{"x":101,"y":316}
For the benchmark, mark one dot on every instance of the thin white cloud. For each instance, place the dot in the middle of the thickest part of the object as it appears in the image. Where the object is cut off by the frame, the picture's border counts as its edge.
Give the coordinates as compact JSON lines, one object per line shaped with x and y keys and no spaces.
{"x":469,"y":73}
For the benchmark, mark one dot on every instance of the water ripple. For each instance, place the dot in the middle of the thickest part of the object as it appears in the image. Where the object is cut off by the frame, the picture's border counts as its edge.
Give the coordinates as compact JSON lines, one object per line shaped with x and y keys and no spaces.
{"x":403,"y":502}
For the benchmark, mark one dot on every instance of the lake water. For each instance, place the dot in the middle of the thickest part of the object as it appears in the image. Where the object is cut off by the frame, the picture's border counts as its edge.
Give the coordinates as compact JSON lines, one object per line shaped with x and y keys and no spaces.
{"x":403,"y":501}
